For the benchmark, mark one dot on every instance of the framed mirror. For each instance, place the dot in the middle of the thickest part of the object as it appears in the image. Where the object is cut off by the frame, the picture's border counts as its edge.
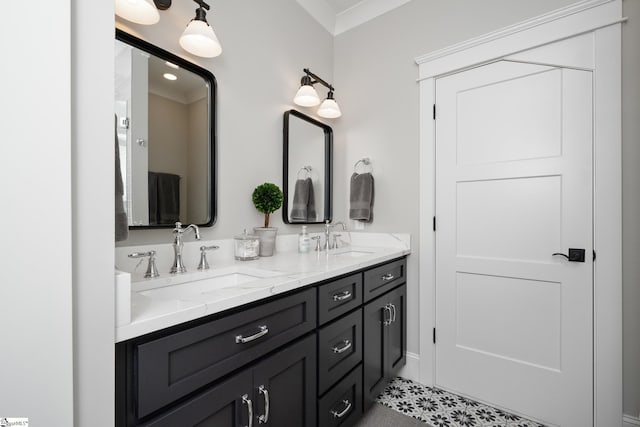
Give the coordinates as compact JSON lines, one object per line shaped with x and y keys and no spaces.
{"x":307,"y":169}
{"x":165,"y":125}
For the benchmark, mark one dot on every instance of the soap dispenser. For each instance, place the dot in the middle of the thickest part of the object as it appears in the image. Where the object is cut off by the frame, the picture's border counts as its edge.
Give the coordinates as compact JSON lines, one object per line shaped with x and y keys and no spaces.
{"x":304,"y":241}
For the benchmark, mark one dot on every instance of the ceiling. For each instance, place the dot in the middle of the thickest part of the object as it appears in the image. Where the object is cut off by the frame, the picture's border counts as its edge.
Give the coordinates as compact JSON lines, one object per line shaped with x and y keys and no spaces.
{"x":338,"y":16}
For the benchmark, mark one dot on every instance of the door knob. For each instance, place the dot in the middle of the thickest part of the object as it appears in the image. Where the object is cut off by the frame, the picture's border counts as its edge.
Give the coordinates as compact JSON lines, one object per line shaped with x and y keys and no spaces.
{"x":575,"y":255}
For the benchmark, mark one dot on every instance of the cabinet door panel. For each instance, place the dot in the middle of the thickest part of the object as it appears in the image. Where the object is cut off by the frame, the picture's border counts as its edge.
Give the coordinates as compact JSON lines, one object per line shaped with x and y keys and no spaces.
{"x":374,"y":355}
{"x":220,"y":406}
{"x":289,"y":377}
{"x":385,"y":341}
{"x":397,"y":332}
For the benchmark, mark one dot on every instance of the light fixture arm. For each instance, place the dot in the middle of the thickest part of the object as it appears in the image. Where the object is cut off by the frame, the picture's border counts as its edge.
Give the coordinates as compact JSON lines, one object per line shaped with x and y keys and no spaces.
{"x":317,"y":79}
{"x":166,"y":4}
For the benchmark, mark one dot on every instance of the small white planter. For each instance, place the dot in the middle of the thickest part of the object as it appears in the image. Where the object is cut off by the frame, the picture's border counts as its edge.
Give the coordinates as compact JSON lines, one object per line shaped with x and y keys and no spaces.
{"x":267,"y":236}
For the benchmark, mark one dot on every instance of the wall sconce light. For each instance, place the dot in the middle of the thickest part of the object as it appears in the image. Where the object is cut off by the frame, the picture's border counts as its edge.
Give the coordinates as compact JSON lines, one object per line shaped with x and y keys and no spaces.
{"x":198,"y":38}
{"x":308,"y":97}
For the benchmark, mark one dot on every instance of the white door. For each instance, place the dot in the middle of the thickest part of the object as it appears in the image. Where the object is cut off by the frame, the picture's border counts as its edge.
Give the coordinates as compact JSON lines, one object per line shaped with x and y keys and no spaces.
{"x":513,"y":187}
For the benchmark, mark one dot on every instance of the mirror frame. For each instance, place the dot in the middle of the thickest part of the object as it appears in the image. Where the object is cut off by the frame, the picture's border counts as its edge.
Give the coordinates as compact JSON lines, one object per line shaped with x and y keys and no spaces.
{"x":211,"y":80}
{"x":328,"y":166}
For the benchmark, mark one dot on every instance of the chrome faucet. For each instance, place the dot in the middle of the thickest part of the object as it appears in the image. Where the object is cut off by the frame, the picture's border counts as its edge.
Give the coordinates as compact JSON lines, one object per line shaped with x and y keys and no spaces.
{"x":178,"y":265}
{"x":328,"y":242}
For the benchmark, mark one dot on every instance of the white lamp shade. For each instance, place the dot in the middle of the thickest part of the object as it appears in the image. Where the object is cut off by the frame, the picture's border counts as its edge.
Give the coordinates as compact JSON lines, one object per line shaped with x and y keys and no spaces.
{"x":307,"y":96}
{"x":199,"y":39}
{"x":329,"y":109}
{"x":139,"y":11}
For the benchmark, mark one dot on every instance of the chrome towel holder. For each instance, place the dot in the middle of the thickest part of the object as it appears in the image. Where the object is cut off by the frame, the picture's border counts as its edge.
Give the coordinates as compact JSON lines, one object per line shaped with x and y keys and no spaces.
{"x":306,"y":169}
{"x":366,"y":162}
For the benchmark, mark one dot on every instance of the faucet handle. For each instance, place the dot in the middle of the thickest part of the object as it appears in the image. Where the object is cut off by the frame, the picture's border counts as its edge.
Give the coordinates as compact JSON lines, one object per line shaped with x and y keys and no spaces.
{"x":152,"y":270}
{"x":336,"y":241}
{"x":204,"y":264}
{"x":317,"y":239}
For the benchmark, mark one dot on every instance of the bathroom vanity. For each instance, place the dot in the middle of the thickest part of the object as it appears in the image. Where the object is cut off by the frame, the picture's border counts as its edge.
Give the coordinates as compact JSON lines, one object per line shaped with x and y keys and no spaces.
{"x":316,"y":352}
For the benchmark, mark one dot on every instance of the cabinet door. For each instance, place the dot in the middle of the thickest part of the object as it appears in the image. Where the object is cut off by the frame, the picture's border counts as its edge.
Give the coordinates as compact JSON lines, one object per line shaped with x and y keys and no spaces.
{"x":396,"y":332}
{"x":385,"y":341}
{"x":220,"y":406}
{"x":374,"y":324}
{"x":284,"y":387}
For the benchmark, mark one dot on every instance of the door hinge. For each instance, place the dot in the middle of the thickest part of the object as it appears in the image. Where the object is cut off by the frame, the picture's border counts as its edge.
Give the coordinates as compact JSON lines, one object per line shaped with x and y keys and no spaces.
{"x":594,"y":255}
{"x":434,"y":223}
{"x":434,"y":335}
{"x":434,"y":111}
{"x":124,"y":122}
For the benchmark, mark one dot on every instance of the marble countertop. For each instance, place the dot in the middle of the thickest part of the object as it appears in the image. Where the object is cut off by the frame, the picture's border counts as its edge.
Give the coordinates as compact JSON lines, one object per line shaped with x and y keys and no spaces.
{"x":173,"y":299}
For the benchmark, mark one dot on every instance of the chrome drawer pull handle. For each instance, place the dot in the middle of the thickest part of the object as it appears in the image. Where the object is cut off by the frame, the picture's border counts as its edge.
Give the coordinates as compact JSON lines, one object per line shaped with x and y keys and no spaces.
{"x":342,"y":296}
{"x":247,"y":401}
{"x":263,"y":419}
{"x":387,"y":277}
{"x":337,"y":414}
{"x":345,"y":347}
{"x":385,"y":321}
{"x":242,"y":340}
{"x":393,"y":317}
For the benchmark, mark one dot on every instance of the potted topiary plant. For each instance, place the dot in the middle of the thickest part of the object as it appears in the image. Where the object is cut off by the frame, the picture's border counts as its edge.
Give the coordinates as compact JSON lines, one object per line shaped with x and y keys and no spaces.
{"x":267,"y":198}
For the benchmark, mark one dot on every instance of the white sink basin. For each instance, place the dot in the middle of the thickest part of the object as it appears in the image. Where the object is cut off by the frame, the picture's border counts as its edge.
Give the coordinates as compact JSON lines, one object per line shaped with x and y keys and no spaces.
{"x":218,"y":283}
{"x":352,"y":254}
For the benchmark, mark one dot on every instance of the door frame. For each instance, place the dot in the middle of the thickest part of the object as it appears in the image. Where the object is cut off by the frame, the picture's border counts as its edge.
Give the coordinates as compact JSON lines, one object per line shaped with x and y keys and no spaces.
{"x":602,"y":19}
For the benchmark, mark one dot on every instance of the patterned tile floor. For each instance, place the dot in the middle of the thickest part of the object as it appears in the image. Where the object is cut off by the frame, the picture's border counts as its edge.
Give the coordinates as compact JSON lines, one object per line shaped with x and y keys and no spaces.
{"x":443,"y":409}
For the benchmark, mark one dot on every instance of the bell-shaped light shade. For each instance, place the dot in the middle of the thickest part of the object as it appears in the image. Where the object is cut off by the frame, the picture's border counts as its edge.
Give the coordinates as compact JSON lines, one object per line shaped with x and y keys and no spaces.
{"x":199,"y":39}
{"x":139,"y":11}
{"x":306,"y":96}
{"x":329,"y":109}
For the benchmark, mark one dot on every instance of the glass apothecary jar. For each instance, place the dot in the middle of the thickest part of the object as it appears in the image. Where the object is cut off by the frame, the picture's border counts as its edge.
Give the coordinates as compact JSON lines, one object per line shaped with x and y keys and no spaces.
{"x":247,"y":246}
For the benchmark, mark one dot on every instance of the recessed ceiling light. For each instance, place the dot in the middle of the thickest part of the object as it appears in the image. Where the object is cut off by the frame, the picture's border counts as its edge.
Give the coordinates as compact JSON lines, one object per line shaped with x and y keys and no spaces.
{"x":170,"y":76}
{"x":171,"y":64}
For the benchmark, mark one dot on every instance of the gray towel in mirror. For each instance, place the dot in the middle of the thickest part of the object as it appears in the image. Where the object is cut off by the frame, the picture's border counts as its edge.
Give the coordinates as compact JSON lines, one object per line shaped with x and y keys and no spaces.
{"x":304,"y":201}
{"x":311,"y":203}
{"x":121,"y":224}
{"x":300,"y":200}
{"x":164,"y":198}
{"x":361,"y":197}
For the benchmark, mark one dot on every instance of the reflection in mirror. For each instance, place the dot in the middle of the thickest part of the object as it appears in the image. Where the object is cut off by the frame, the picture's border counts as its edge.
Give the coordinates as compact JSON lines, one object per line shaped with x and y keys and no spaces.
{"x":165,"y":121}
{"x":307,"y":169}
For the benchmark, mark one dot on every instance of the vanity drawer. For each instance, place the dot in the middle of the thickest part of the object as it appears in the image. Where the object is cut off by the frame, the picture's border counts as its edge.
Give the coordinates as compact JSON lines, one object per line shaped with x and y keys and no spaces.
{"x":342,"y":405}
{"x":171,"y":367}
{"x":381,"y":279}
{"x":339,"y":349}
{"x":338,"y":297}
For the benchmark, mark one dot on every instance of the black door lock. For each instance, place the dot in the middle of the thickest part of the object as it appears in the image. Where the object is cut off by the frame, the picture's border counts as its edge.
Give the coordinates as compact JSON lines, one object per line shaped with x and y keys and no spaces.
{"x":575,"y":255}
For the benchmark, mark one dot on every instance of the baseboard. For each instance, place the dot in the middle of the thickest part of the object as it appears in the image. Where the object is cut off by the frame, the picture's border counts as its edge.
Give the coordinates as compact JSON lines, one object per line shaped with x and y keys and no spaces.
{"x":411,"y":370}
{"x":627,"y":420}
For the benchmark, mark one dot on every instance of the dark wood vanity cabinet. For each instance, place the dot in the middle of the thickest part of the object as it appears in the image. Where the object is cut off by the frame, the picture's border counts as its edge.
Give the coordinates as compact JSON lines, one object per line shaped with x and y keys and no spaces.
{"x":315,"y":357}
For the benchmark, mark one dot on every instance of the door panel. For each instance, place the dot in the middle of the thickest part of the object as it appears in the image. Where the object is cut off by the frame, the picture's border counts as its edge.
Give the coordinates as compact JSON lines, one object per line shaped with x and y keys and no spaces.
{"x":289,"y":377}
{"x":514,"y":186}
{"x":483,"y":139}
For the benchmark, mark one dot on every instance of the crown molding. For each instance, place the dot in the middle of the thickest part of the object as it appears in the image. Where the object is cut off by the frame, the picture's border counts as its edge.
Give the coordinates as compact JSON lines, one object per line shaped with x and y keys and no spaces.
{"x":350,"y":18}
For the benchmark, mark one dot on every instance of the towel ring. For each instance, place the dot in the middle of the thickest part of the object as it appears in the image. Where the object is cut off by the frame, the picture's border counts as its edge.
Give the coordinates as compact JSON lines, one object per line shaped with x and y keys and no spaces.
{"x":306,"y":169}
{"x":365,"y":161}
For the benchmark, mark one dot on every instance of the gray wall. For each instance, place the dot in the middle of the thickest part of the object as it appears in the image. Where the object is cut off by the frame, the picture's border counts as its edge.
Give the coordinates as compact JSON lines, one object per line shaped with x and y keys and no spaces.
{"x":265,"y":47}
{"x":631,"y":207}
{"x":375,"y":77}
